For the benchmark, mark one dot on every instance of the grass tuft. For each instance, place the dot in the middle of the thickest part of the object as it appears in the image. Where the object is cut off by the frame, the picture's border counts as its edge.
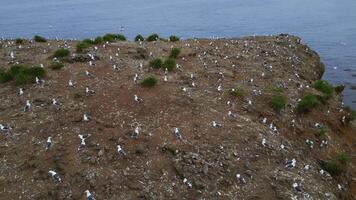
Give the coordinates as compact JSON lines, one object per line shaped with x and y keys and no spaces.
{"x":308,"y":102}
{"x":19,"y":41}
{"x":56,"y":65}
{"x":152,"y":37}
{"x":278,"y":102}
{"x":38,"y":38}
{"x":174,"y":38}
{"x":21,"y":74}
{"x":238,"y":92}
{"x":332,"y":167}
{"x":156,"y":63}
{"x":169,"y":64}
{"x":139,"y":38}
{"x":60,"y":53}
{"x":174,"y":53}
{"x":326,"y":88}
{"x":149,"y":81}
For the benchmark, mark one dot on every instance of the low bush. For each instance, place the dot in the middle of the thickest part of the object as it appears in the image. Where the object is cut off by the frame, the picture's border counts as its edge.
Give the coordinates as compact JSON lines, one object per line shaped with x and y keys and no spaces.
{"x":139,"y":38}
{"x":156,"y":63}
{"x":82,"y":45}
{"x":238,"y":92}
{"x":149,"y":81}
{"x":278,"y":102}
{"x":326,"y":88}
{"x":332,"y":167}
{"x":98,"y":40}
{"x":169,"y":64}
{"x":109,"y":37}
{"x":153,"y":37}
{"x":308,"y":102}
{"x":120,"y":37}
{"x":60,"y":53}
{"x":321,"y":132}
{"x":38,"y":38}
{"x":339,"y":88}
{"x":173,"y":38}
{"x":56,"y":65}
{"x":344,"y":158}
{"x":21,"y":74}
{"x":174,"y":53}
{"x":19,"y":41}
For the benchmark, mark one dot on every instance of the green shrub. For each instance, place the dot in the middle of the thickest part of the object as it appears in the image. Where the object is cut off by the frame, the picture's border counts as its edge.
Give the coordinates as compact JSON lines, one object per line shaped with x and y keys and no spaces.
{"x":149,"y":81}
{"x":5,"y":76}
{"x":98,"y":40}
{"x":21,"y":74}
{"x":308,"y":102}
{"x":169,"y":64}
{"x":156,"y":63}
{"x":173,"y":38}
{"x":153,"y":37}
{"x":332,"y":167}
{"x":238,"y":92}
{"x":322,"y":132}
{"x":56,"y":65}
{"x":174,"y":53}
{"x":339,"y":88}
{"x":120,"y":37}
{"x":139,"y":38}
{"x":82,"y":45}
{"x":324,"y":87}
{"x":109,"y":37}
{"x":278,"y":102}
{"x":19,"y":41}
{"x":38,"y":38}
{"x":344,"y":158}
{"x":59,"y":53}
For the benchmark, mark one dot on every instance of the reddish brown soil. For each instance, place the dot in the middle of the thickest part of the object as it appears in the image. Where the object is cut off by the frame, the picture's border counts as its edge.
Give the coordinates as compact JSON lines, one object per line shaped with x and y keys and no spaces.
{"x":157,"y":162}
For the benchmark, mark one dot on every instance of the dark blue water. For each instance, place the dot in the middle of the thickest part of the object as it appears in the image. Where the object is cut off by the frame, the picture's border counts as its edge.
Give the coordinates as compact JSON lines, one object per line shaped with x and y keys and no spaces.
{"x":328,"y":26}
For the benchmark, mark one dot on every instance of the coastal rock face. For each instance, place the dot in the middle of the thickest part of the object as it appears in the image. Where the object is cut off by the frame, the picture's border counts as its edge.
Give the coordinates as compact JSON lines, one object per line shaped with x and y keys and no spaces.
{"x":253,"y":141}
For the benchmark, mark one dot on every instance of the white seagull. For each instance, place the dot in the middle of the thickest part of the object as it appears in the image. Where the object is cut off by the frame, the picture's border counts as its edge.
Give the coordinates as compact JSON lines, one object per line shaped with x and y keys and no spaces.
{"x":55,"y":175}
{"x":82,"y":140}
{"x":216,"y":124}
{"x":137,"y":99}
{"x":20,"y":92}
{"x":27,"y":105}
{"x":121,"y":151}
{"x":86,"y":118}
{"x":177,"y":133}
{"x":49,"y":143}
{"x":89,"y":195}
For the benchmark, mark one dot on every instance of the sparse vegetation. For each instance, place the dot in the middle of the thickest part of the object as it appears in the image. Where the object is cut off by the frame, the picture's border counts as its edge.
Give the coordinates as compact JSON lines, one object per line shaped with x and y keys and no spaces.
{"x":344,"y":158}
{"x":149,"y":81}
{"x":308,"y":102}
{"x":339,"y":88}
{"x":38,"y":38}
{"x":121,"y":37}
{"x":173,"y":38}
{"x":324,"y":87}
{"x":60,"y":53}
{"x":156,"y":63}
{"x":278,"y":102}
{"x":98,"y":40}
{"x":19,"y":41}
{"x":238,"y":92}
{"x":169,"y":64}
{"x":109,"y":37}
{"x":174,"y":53}
{"x":139,"y":38}
{"x":153,"y":37}
{"x":351,"y":111}
{"x":56,"y":65}
{"x":82,"y":45}
{"x":322,"y":132}
{"x":332,"y":167}
{"x":21,"y":74}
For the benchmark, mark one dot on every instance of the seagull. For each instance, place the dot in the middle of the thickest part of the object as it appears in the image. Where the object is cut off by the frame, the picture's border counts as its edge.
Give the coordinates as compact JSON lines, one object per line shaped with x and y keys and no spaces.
{"x":86,"y":118}
{"x":115,"y":67}
{"x":39,"y":81}
{"x":264,"y":142}
{"x":323,"y":143}
{"x":193,"y":84}
{"x":185,"y":180}
{"x":121,"y":151}
{"x":264,"y":120}
{"x":20,"y":92}
{"x":136,"y":132}
{"x":136,"y":78}
{"x":89,"y":195}
{"x":137,"y":99}
{"x":165,"y":78}
{"x":240,"y":179}
{"x":216,"y":124}
{"x":284,"y":147}
{"x":177,"y":133}
{"x":71,"y":83}
{"x":88,"y":74}
{"x":310,"y":143}
{"x":4,"y":128}
{"x":290,"y":163}
{"x":49,"y":143}
{"x":231,"y":114}
{"x":88,"y":91}
{"x":82,"y":139}
{"x":219,"y":88}
{"x":12,"y":55}
{"x":306,"y":167}
{"x":297,"y":187}
{"x":27,"y":105}
{"x":55,"y":175}
{"x":55,"y":103}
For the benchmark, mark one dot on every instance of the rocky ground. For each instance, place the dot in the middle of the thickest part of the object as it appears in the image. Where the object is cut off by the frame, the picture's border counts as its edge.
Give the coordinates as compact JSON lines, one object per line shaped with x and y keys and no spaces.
{"x":203,"y":164}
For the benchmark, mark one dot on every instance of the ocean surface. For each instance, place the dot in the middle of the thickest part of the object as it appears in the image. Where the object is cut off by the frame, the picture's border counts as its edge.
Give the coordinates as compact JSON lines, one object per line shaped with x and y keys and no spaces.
{"x":328,"y":26}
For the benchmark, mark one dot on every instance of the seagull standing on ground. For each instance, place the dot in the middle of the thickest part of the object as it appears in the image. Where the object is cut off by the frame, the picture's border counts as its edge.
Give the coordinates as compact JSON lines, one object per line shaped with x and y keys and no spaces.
{"x":49,"y":143}
{"x":88,"y":91}
{"x":89,"y":195}
{"x":71,"y":83}
{"x":121,"y":151}
{"x":55,"y":103}
{"x":137,"y":99}
{"x":55,"y":175}
{"x":136,"y":132}
{"x":40,"y":81}
{"x":86,"y":118}
{"x":240,"y":179}
{"x":216,"y":124}
{"x":290,"y":163}
{"x":20,"y":92}
{"x":177,"y":133}
{"x":27,"y":105}
{"x":82,"y":140}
